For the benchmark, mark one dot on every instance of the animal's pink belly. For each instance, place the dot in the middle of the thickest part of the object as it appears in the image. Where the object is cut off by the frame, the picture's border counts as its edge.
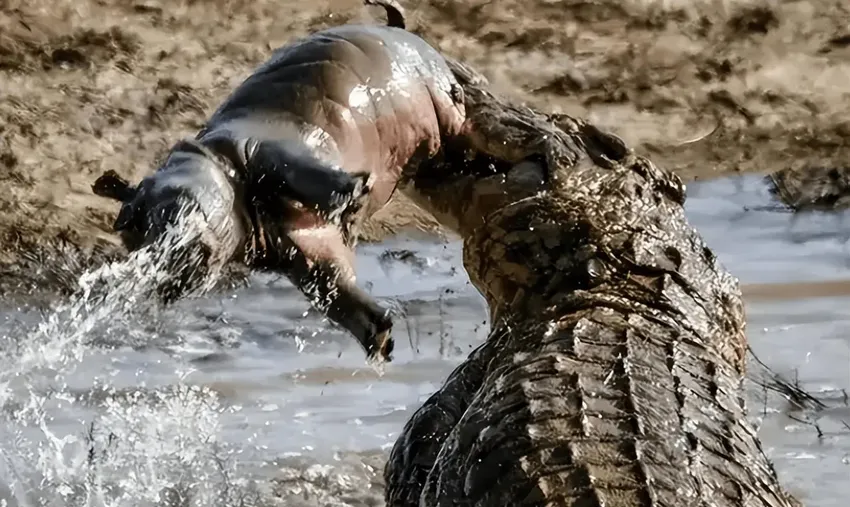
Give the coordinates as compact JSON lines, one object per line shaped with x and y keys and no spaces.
{"x":323,"y":242}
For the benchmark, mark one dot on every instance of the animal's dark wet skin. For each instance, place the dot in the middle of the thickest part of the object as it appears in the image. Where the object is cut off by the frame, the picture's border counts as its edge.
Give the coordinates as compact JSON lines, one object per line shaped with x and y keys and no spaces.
{"x":190,"y":271}
{"x":614,"y":372}
{"x":284,"y":175}
{"x":315,"y":139}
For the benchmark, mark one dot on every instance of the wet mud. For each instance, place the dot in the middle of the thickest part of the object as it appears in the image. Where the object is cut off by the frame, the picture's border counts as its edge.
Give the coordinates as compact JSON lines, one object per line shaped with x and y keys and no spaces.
{"x":704,"y":88}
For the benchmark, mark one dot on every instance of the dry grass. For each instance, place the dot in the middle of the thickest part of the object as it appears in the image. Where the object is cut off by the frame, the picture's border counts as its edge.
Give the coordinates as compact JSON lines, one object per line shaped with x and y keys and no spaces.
{"x":91,"y":85}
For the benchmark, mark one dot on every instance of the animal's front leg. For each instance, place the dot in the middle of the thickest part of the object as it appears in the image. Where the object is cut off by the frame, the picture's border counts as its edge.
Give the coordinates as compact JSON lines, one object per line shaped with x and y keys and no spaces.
{"x":338,"y":298}
{"x":352,"y":308}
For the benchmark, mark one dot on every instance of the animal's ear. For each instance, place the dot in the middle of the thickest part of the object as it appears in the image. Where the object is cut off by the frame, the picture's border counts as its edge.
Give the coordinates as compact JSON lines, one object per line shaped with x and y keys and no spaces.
{"x":112,"y":186}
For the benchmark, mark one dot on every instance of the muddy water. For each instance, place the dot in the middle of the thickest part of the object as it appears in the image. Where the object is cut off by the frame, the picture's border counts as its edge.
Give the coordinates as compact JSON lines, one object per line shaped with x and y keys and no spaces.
{"x":299,"y":404}
{"x":795,"y":275}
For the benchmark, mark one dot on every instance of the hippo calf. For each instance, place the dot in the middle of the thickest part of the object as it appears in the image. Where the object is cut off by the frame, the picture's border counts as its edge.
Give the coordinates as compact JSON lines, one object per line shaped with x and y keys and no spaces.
{"x":297,"y":157}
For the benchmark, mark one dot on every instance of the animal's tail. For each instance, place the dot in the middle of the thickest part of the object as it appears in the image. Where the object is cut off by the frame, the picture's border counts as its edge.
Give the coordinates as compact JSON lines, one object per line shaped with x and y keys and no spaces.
{"x":465,"y":74}
{"x":395,"y":13}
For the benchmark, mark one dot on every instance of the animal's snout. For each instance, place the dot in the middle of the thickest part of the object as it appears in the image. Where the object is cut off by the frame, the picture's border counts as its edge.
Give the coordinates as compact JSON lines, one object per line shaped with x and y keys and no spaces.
{"x":177,"y":212}
{"x":150,"y":215}
{"x":173,"y":229}
{"x":187,"y":269}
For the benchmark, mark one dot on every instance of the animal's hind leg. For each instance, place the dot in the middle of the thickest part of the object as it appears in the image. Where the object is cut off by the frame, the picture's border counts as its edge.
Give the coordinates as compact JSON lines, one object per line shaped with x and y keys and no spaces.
{"x":278,"y":173}
{"x":395,"y":13}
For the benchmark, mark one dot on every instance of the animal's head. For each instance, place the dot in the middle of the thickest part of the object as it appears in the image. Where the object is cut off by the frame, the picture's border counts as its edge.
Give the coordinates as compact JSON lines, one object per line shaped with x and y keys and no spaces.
{"x":190,"y":189}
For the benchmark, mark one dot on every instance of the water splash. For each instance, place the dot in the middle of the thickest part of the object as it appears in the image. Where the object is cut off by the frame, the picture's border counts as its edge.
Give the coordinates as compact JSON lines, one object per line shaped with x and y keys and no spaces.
{"x":110,"y":292}
{"x":142,"y":447}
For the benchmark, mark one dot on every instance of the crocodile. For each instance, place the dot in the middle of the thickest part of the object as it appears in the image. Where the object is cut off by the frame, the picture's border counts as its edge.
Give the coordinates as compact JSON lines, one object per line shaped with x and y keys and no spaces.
{"x":613,"y":374}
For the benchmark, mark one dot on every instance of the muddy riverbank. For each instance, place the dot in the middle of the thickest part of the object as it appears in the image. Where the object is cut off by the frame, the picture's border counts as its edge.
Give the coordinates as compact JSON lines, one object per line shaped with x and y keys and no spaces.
{"x":704,"y":88}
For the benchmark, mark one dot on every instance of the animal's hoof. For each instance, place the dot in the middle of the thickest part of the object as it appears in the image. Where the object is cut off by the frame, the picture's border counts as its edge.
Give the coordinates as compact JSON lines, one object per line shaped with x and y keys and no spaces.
{"x":383,"y":348}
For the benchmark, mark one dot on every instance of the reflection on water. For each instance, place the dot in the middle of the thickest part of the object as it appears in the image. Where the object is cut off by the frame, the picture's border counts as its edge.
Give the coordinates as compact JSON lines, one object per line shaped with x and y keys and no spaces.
{"x":299,"y":403}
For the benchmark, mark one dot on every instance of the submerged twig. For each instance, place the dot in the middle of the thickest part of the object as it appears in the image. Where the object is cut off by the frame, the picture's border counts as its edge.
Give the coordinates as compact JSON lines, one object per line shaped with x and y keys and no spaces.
{"x":791,"y":392}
